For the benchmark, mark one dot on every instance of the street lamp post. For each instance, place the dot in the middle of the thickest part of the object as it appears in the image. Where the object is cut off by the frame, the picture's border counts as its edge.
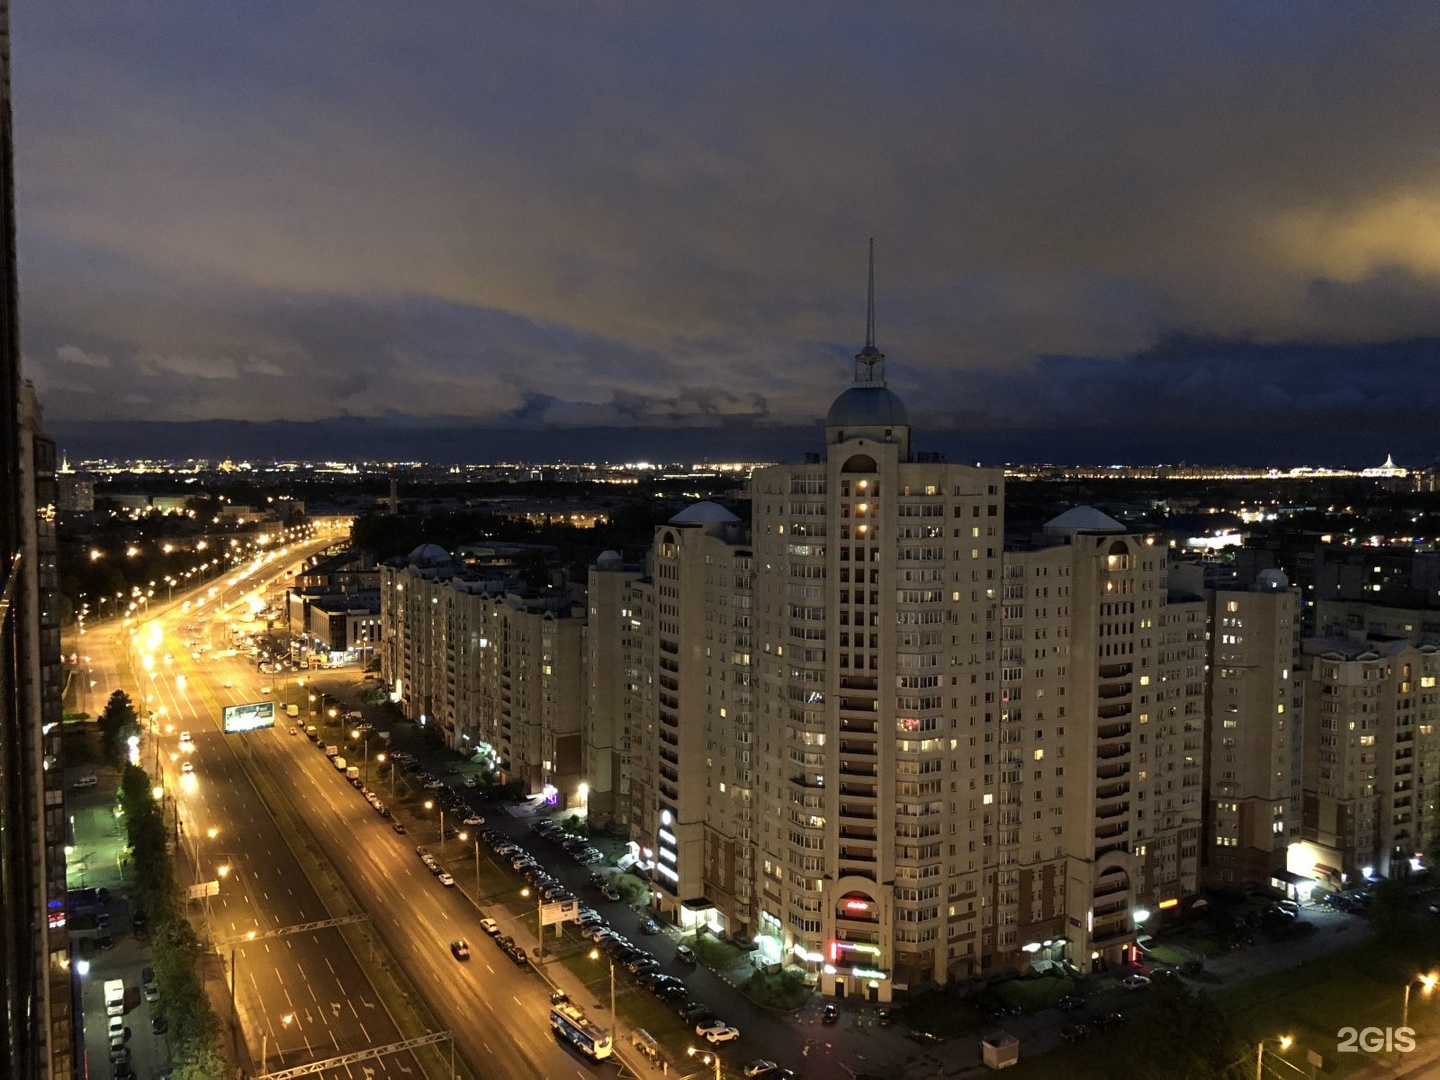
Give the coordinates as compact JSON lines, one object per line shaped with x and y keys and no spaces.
{"x":710,"y":1058}
{"x":1283,"y":1041}
{"x":595,"y":955}
{"x":1428,"y":982}
{"x":365,"y":761}
{"x":539,"y":916}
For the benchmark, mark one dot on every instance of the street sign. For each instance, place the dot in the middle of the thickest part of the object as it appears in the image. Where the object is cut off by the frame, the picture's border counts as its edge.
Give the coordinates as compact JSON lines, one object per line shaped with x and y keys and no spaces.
{"x":559,"y":912}
{"x":204,"y":889}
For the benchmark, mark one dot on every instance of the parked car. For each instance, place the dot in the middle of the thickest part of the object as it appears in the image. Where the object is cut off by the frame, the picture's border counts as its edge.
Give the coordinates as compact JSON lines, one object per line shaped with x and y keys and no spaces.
{"x":1070,"y":1003}
{"x":723,"y":1034}
{"x":685,"y":955}
{"x":1074,"y":1032}
{"x":1135,"y":982}
{"x":490,"y":926}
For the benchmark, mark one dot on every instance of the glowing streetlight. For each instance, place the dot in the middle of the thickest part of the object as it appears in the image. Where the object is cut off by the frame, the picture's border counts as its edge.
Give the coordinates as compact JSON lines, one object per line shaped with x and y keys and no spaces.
{"x":1427,"y":983}
{"x":1282,"y":1041}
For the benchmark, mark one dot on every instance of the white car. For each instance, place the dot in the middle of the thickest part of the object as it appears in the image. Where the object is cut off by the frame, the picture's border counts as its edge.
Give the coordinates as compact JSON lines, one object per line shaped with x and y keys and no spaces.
{"x":759,"y":1067}
{"x":117,"y":1027}
{"x":721,"y":1034}
{"x":474,"y":819}
{"x":265,"y":689}
{"x":1134,"y":982}
{"x":185,"y":741}
{"x":446,"y":879}
{"x":187,"y":768}
{"x":490,"y":926}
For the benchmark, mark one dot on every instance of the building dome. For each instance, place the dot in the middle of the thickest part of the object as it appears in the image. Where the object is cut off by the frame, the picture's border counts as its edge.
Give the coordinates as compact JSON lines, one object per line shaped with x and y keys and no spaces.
{"x":868,"y":406}
{"x":704,"y":513}
{"x":429,"y":553}
{"x":609,"y":560}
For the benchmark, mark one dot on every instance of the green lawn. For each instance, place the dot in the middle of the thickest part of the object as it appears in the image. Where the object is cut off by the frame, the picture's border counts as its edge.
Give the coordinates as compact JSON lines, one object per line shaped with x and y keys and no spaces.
{"x":713,"y":953}
{"x":1166,"y":955}
{"x":939,"y":1013}
{"x":1034,"y":994}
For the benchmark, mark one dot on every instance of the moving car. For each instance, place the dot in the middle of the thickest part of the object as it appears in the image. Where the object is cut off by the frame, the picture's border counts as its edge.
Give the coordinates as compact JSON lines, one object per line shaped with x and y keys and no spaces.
{"x":685,"y":955}
{"x":830,"y":1014}
{"x":759,"y":1067}
{"x":187,"y":768}
{"x":460,"y":949}
{"x":1134,"y":982}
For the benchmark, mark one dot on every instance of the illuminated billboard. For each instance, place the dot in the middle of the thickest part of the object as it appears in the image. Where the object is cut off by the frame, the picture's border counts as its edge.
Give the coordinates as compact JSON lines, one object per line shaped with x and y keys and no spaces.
{"x":260,"y":714}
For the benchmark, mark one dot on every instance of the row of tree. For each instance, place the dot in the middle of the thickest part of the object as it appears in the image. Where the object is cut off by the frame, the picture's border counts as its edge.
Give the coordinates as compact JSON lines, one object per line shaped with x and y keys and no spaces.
{"x":195,"y":1030}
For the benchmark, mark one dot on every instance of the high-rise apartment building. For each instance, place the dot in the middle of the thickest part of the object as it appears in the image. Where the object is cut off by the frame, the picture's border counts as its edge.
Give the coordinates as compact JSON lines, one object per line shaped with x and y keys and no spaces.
{"x":1255,"y":735}
{"x":36,"y":983}
{"x":493,"y":669}
{"x":1372,"y":756}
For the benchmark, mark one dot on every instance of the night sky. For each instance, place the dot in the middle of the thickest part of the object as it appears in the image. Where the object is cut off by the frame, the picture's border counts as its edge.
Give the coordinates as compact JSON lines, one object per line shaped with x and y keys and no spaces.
{"x":1138,"y":232}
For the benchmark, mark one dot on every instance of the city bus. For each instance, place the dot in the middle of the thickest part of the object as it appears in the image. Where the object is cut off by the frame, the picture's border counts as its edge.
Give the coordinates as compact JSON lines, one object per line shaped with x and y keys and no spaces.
{"x":570,"y":1024}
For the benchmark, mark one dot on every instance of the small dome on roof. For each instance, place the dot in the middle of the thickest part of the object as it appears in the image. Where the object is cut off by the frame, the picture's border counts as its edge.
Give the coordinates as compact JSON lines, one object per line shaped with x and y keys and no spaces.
{"x":868,"y":406}
{"x":704,"y":513}
{"x":1084,"y":519}
{"x":609,"y":559}
{"x":429,"y":553}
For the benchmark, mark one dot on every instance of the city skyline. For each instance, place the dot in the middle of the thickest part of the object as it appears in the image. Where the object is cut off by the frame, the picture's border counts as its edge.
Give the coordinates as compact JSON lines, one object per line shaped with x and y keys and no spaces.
{"x":1201,"y":235}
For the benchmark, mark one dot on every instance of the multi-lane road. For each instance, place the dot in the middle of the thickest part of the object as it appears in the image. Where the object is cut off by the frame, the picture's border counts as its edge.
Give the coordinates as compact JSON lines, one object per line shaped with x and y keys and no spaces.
{"x":306,"y":996}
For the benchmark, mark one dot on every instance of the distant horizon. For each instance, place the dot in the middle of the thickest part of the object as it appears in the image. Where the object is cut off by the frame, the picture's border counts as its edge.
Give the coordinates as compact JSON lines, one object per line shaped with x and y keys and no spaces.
{"x":452,"y":442}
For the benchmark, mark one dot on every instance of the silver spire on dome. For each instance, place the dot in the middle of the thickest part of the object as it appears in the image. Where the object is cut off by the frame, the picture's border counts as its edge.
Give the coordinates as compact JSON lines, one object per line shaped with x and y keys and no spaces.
{"x":870,"y":361}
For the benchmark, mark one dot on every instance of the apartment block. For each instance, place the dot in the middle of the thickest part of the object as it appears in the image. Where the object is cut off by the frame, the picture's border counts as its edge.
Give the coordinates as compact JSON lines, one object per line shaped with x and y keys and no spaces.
{"x":1256,"y":732}
{"x":500,"y":673}
{"x":1372,"y":759}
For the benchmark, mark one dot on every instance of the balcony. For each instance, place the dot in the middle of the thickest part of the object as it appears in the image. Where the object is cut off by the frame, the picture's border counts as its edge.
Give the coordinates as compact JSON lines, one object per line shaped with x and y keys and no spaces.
{"x":1110,"y":712}
{"x":1111,"y":888}
{"x":861,"y":749}
{"x":1112,"y":731}
{"x":1112,"y":750}
{"x":1106,"y":849}
{"x":857,"y":855}
{"x":1109,"y":832}
{"x":1115,"y":671}
{"x":1114,"y":690}
{"x":859,"y":682}
{"x":854,"y":832}
{"x":856,"y":791}
{"x":808,"y":780}
{"x":1112,"y":791}
{"x":859,"y":727}
{"x":1111,"y":772}
{"x":1111,"y":907}
{"x":1113,"y":811}
{"x":859,"y":813}
{"x":850,"y":768}
{"x":1110,"y":933}
{"x":863,"y":706}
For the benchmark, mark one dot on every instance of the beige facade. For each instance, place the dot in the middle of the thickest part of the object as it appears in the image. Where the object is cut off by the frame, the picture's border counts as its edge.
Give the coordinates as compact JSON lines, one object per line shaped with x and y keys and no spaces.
{"x":1255,"y":732}
{"x":1372,"y":758}
{"x":499,"y":673}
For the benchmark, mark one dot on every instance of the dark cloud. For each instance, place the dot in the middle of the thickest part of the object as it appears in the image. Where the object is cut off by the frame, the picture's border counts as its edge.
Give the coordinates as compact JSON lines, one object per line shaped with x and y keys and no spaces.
{"x":591,"y":216}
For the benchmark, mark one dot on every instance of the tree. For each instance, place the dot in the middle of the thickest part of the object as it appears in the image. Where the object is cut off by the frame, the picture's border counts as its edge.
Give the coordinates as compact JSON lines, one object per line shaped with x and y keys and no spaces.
{"x":1183,"y":1037}
{"x":117,"y":723}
